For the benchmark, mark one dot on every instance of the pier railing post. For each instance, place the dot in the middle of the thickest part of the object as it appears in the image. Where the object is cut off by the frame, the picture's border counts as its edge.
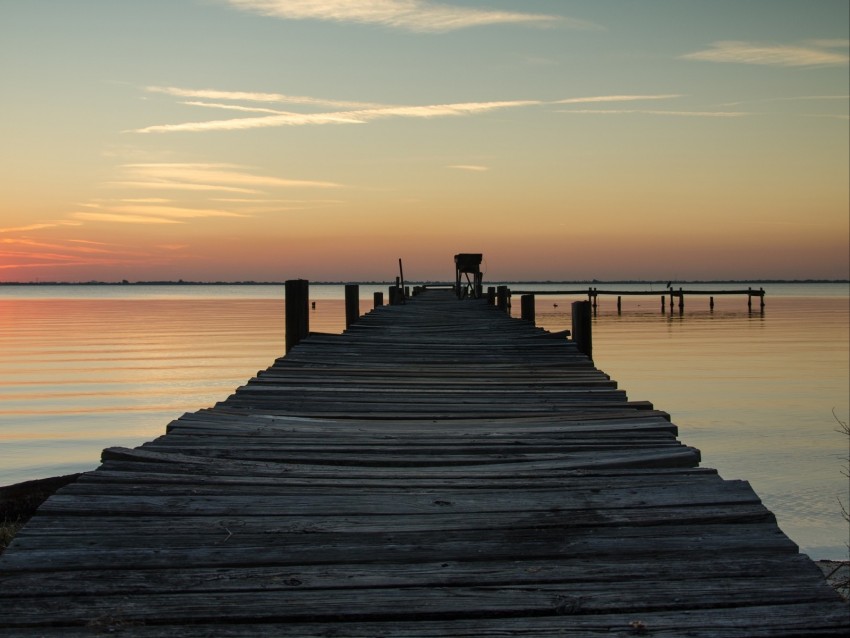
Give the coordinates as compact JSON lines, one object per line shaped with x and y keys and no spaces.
{"x":491,"y":295}
{"x":297,"y":293}
{"x":527,"y":307}
{"x":352,"y":303}
{"x":378,"y":299}
{"x":502,"y":294}
{"x":582,"y":327}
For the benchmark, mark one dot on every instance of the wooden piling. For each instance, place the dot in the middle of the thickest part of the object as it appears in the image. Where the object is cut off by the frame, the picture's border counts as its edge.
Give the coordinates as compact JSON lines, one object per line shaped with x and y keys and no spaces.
{"x":711,"y":303}
{"x":378,"y":299}
{"x":297,"y":293}
{"x":352,"y":303}
{"x":582,"y":327}
{"x":502,"y":295}
{"x":619,"y":305}
{"x":491,"y":295}
{"x":527,"y":307}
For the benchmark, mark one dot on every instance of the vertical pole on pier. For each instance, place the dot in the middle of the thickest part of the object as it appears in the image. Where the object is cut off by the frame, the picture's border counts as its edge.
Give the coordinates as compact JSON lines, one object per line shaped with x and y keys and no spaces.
{"x":711,"y":303}
{"x":662,"y":304}
{"x":681,"y":301}
{"x":393,"y":295}
{"x":352,"y":303}
{"x":502,"y":298}
{"x":582,"y":327}
{"x":527,"y":307}
{"x":378,"y":299}
{"x":297,"y":293}
{"x":491,"y":295}
{"x":750,"y":299}
{"x":619,"y":305}
{"x":762,"y":298}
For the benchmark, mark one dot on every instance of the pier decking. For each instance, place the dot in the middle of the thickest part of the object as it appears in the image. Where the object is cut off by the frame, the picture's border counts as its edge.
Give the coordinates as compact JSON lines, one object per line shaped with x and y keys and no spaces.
{"x":440,"y":469}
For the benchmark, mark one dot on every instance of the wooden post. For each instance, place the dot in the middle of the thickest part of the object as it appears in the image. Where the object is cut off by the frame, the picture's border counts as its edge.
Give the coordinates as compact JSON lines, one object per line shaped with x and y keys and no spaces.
{"x":662,"y":304}
{"x":378,"y":299}
{"x":502,"y":298}
{"x":711,"y":303}
{"x":619,"y":305}
{"x":762,"y":298}
{"x":297,"y":292}
{"x":527,"y":307}
{"x":582,"y":327}
{"x":491,"y":295}
{"x":749,"y":298}
{"x":681,"y":301}
{"x":393,"y":295}
{"x":352,"y":303}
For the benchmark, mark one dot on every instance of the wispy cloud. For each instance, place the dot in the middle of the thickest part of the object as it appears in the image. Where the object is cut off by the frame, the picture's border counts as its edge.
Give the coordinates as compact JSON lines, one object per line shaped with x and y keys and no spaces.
{"x":475,"y":168}
{"x":360,"y":116}
{"x":352,"y":116}
{"x":38,"y":226}
{"x":196,"y":178}
{"x":212,"y":176}
{"x":656,"y":112}
{"x":253,"y":96}
{"x":123,"y":219}
{"x":411,"y":15}
{"x":807,"y":54}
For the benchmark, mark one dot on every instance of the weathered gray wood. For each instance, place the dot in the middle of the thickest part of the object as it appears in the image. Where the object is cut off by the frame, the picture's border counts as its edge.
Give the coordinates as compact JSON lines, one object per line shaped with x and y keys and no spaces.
{"x":439,"y":469}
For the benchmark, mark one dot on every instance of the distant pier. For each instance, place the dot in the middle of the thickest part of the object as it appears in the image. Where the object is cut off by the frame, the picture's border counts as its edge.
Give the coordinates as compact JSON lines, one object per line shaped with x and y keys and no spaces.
{"x":593,"y":295}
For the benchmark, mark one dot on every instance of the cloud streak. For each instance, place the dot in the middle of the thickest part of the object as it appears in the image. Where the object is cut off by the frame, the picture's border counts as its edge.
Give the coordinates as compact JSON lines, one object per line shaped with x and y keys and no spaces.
{"x":252,"y":96}
{"x":422,"y":16}
{"x":808,"y":54}
{"x":360,"y":115}
{"x":655,"y":112}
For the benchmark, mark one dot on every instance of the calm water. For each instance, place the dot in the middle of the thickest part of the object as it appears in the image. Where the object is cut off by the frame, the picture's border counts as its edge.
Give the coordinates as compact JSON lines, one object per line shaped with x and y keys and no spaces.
{"x":84,"y":368}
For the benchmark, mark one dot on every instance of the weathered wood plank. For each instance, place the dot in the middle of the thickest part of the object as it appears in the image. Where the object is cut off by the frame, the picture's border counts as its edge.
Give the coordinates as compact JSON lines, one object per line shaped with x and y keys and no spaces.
{"x":439,"y":469}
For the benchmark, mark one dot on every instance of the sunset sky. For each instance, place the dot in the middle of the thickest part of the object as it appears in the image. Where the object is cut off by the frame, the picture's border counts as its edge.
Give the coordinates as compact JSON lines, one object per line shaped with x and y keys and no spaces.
{"x":326,"y":139}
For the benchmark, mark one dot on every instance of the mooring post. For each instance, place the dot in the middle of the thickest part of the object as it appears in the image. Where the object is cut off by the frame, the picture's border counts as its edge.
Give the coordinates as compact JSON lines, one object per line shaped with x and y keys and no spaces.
{"x":619,"y":305}
{"x":582,"y":327}
{"x":662,"y":304}
{"x":352,"y":303}
{"x":711,"y":303}
{"x":378,"y":299}
{"x":681,"y":301}
{"x":297,"y":292}
{"x":762,"y":298}
{"x":502,"y":293}
{"x":527,"y":307}
{"x":749,"y":298}
{"x":491,"y":295}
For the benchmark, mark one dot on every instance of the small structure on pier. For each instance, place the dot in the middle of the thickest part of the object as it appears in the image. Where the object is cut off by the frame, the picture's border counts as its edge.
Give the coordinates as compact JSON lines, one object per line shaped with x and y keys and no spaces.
{"x":468,"y":264}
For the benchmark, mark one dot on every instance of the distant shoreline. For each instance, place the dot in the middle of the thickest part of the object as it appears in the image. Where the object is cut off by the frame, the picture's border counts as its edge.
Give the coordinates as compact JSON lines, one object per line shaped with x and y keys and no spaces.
{"x":180,"y":282}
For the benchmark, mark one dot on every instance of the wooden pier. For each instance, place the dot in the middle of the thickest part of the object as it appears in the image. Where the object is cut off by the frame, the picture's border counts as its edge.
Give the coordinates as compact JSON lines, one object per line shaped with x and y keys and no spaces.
{"x":439,"y":469}
{"x":593,"y":295}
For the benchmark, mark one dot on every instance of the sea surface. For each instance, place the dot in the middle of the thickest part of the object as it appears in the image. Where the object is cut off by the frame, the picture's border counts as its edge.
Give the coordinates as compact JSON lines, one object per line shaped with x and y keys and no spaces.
{"x":761,"y":394}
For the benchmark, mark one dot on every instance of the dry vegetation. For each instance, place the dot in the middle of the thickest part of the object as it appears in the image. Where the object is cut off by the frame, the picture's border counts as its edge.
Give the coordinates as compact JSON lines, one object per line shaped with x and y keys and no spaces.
{"x":20,"y":501}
